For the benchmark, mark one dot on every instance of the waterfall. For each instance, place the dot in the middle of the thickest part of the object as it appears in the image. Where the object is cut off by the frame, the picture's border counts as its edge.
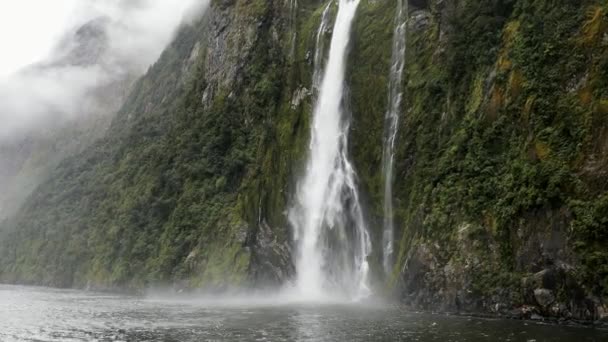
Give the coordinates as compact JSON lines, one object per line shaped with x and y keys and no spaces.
{"x":317,"y":76}
{"x":395,"y":92}
{"x":329,"y":229}
{"x":293,"y":22}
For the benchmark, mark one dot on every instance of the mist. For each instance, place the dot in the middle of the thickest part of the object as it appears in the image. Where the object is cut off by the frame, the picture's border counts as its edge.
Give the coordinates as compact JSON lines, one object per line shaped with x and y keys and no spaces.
{"x":103,"y":43}
{"x":59,"y":105}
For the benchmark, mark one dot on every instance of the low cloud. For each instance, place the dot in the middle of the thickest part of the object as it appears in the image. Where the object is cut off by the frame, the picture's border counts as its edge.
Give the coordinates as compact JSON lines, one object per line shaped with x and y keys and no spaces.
{"x":106,"y":42}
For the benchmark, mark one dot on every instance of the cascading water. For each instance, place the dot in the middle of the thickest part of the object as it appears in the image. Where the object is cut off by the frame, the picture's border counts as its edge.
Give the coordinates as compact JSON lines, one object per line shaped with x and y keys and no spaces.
{"x":331,"y":237}
{"x":293,"y":18}
{"x":390,"y":132}
{"x":317,"y":76}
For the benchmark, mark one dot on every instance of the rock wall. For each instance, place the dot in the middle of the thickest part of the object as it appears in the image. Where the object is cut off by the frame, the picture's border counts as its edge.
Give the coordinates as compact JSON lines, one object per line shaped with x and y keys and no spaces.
{"x":500,"y":194}
{"x":502,"y":197}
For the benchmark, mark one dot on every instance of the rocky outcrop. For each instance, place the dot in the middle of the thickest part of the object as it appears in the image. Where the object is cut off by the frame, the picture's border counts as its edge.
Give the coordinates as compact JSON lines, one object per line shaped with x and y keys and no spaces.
{"x":494,"y":229}
{"x":271,"y":260}
{"x":500,"y":191}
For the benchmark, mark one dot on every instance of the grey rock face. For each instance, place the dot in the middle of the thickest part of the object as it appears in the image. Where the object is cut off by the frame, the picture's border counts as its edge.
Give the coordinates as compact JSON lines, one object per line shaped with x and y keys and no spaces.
{"x":299,"y":96}
{"x":419,"y":20}
{"x":418,"y":4}
{"x":544,"y":297}
{"x":271,"y":262}
{"x":231,"y":39}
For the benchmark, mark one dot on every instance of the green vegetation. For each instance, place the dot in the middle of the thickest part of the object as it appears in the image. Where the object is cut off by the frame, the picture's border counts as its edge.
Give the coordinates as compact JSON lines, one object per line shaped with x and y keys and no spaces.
{"x":157,"y":199}
{"x":502,"y":128}
{"x":500,"y":167}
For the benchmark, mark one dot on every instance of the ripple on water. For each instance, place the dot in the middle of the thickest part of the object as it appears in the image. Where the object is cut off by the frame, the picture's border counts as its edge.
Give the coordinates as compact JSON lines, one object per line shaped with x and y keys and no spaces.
{"x":40,"y":314}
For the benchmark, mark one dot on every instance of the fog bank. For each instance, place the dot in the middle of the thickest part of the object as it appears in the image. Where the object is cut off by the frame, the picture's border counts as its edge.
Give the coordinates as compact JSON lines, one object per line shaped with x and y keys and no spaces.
{"x":104,"y":42}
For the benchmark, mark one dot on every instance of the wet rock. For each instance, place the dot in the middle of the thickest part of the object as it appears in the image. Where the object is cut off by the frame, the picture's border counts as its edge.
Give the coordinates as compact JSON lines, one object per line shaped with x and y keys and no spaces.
{"x":544,"y":297}
{"x":309,"y":57}
{"x":602,"y":312}
{"x":500,"y":308}
{"x":419,"y":20}
{"x":536,"y":317}
{"x":299,"y":95}
{"x":206,"y":97}
{"x":554,"y":310}
{"x":194,"y":54}
{"x":271,"y":263}
{"x":420,"y":4}
{"x":241,"y":234}
{"x":514,"y":314}
{"x":528,"y":311}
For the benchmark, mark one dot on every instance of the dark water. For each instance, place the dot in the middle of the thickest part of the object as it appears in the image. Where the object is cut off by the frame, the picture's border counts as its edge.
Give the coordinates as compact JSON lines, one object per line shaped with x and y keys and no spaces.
{"x":40,"y":314}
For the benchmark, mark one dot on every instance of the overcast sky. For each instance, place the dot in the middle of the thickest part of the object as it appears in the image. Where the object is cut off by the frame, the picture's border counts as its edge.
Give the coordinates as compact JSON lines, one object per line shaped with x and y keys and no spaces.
{"x":30,"y":31}
{"x":30,"y":28}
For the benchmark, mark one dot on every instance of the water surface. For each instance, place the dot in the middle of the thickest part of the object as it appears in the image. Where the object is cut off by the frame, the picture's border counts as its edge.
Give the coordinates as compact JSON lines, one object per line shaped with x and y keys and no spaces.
{"x":42,"y":314}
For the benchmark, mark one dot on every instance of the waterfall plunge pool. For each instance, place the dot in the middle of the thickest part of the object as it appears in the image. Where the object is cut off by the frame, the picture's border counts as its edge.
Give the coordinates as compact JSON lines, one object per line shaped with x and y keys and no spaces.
{"x":43,"y":314}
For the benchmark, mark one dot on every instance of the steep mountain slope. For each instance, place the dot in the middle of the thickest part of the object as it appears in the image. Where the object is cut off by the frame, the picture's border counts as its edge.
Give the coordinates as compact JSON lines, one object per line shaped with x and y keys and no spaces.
{"x":29,"y":152}
{"x":500,"y":192}
{"x":156,"y":199}
{"x":503,"y":187}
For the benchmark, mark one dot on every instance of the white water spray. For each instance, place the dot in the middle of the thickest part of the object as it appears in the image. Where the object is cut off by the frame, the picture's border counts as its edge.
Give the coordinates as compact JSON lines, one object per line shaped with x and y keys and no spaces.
{"x":317,"y":76}
{"x":332,"y":239}
{"x":395,"y":90}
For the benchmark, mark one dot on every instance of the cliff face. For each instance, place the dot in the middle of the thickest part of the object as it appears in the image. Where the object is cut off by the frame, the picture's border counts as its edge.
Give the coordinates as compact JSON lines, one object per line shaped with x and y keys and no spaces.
{"x":503,"y":197}
{"x":159,"y":197}
{"x":500,"y":189}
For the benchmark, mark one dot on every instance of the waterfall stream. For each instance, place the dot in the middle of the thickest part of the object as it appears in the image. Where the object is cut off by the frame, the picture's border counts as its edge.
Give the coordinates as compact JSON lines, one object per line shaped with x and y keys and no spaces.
{"x":317,"y":77}
{"x":395,"y":90}
{"x":329,"y":229}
